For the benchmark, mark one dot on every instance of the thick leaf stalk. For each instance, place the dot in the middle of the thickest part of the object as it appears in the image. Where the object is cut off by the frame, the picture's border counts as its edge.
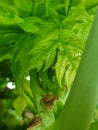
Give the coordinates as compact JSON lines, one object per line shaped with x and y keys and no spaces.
{"x":80,"y":105}
{"x":36,"y":89}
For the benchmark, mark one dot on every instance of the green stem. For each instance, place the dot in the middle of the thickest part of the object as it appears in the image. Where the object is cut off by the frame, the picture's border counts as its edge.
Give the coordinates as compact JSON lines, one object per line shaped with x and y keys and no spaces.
{"x":45,"y":80}
{"x":80,"y":105}
{"x":35,"y":87}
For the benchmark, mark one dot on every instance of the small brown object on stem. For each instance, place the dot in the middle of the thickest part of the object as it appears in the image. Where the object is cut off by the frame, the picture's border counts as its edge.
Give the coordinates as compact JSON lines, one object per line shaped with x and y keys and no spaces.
{"x":35,"y":122}
{"x":48,"y":101}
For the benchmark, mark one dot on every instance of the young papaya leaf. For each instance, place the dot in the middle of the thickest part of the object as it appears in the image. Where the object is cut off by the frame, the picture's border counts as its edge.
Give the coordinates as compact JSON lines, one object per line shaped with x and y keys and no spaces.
{"x":41,"y":49}
{"x":9,"y":15}
{"x":19,"y":104}
{"x":24,"y":6}
{"x":61,"y":66}
{"x":65,"y":68}
{"x":44,"y":51}
{"x":30,"y":24}
{"x":70,"y":76}
{"x":5,"y":53}
{"x":52,"y":13}
{"x":67,"y":5}
{"x":39,"y":8}
{"x":25,"y":96}
{"x":50,"y":38}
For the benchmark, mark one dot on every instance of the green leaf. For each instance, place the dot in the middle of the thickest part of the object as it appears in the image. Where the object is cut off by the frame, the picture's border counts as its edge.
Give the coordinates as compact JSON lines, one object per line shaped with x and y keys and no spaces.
{"x":67,"y":5}
{"x":19,"y":104}
{"x":65,"y":69}
{"x":44,"y":51}
{"x":40,"y":51}
{"x":5,"y":52}
{"x":70,"y":76}
{"x":27,"y":90}
{"x":24,"y":6}
{"x":60,"y":66}
{"x":39,"y":8}
{"x":19,"y":62}
{"x":26,"y":97}
{"x":51,"y":12}
{"x":31,"y":24}
{"x":9,"y":15}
